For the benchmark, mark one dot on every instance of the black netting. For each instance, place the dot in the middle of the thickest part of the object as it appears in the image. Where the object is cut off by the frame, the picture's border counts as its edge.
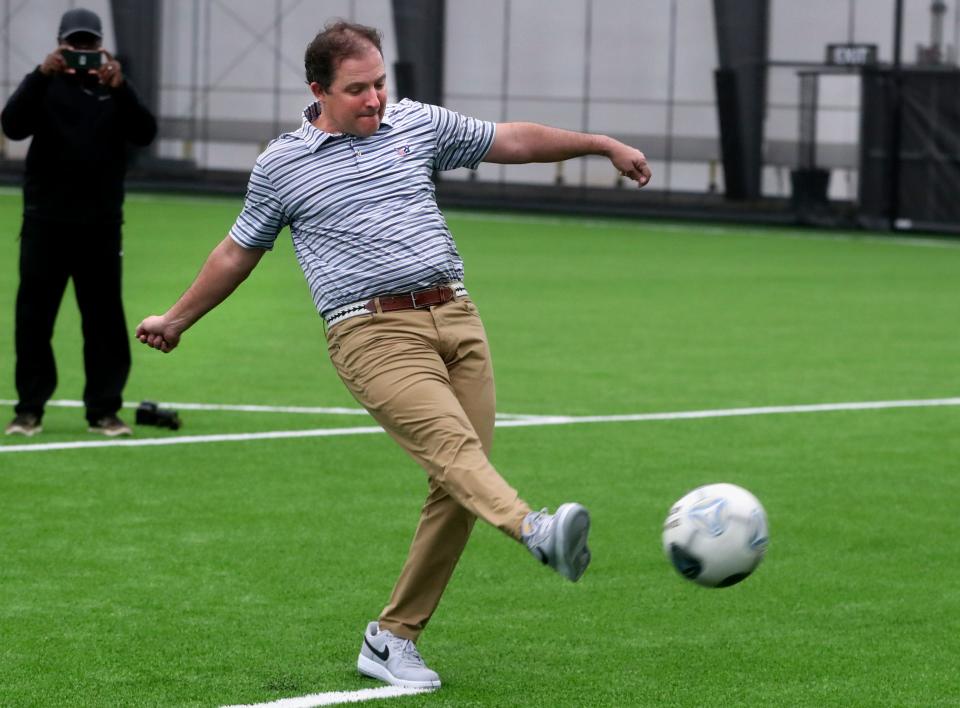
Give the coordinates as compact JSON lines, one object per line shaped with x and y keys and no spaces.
{"x":928,"y":168}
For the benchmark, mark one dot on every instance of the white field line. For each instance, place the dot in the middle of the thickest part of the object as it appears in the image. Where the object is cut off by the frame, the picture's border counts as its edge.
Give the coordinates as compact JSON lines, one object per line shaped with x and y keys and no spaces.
{"x":188,"y":439}
{"x":515,"y":423}
{"x":333,"y":698}
{"x":732,"y":412}
{"x":247,"y":408}
{"x":243,"y":408}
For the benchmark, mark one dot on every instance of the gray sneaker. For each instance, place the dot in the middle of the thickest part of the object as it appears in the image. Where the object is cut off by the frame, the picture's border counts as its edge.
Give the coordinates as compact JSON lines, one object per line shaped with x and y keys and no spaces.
{"x":111,"y":426}
{"x":24,"y":424}
{"x":394,"y":660}
{"x":559,"y":540}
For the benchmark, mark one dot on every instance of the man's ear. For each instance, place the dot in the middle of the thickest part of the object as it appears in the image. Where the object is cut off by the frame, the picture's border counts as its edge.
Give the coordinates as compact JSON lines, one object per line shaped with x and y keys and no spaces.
{"x":317,"y":91}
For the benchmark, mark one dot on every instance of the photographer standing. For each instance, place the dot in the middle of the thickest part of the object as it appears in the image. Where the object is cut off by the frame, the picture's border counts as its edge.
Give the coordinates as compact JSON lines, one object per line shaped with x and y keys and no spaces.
{"x":81,"y":113}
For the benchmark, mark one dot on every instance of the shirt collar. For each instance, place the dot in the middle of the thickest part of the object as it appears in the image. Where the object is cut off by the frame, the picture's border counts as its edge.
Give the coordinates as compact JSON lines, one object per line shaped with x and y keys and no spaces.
{"x":314,"y":137}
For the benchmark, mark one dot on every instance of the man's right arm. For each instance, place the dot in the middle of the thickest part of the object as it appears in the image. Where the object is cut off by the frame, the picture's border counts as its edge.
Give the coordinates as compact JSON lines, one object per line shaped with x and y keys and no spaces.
{"x":226,"y":267}
{"x":21,"y":115}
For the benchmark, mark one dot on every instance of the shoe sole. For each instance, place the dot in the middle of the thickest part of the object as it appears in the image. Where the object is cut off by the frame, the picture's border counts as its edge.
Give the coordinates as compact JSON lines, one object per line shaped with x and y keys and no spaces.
{"x":23,"y":431}
{"x":110,"y":433}
{"x":573,"y":526}
{"x":375,"y":670}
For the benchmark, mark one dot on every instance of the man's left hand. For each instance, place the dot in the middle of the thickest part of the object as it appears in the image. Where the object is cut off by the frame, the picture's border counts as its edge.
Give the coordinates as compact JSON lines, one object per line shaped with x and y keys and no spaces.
{"x":632,"y":164}
{"x":110,"y":71}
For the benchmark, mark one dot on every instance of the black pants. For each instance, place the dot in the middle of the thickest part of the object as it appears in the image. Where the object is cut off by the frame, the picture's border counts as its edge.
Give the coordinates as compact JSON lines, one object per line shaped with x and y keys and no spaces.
{"x":50,"y":254}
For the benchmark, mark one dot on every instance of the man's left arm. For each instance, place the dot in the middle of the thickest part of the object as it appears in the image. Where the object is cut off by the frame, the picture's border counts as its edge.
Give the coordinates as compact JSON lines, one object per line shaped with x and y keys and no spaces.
{"x":520,"y":143}
{"x":139,"y":124}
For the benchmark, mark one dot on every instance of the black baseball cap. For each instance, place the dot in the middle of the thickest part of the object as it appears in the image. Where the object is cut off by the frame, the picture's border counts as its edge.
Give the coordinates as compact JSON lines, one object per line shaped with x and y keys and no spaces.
{"x":80,"y":20}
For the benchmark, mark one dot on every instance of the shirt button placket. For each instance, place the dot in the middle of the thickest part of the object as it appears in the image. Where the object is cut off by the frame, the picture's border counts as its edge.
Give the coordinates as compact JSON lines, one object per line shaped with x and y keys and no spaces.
{"x":357,"y":152}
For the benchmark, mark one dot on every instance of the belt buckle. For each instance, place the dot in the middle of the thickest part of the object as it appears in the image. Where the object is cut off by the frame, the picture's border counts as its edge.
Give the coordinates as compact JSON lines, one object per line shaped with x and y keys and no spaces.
{"x":413,"y":299}
{"x":442,"y":293}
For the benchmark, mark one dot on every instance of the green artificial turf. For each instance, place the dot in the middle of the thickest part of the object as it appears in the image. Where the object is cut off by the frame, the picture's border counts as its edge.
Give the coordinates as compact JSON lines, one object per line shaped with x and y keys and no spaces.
{"x":245,"y":571}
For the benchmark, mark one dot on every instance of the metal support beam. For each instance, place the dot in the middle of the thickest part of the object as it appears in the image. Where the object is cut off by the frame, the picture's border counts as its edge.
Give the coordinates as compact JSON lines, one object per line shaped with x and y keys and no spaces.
{"x":418,"y":73}
{"x":137,"y":26}
{"x":896,"y":122}
{"x":742,"y":28}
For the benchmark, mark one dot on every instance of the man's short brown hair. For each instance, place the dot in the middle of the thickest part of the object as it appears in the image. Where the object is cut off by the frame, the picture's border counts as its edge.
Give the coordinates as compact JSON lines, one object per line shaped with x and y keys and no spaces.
{"x":337,"y":41}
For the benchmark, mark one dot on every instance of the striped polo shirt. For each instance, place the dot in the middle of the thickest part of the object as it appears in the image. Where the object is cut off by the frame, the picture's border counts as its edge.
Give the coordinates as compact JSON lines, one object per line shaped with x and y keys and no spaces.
{"x":362,"y":212}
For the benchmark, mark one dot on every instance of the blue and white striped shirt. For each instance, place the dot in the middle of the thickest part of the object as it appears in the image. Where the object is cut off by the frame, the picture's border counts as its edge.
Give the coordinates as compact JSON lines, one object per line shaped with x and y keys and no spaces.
{"x":362,"y":212}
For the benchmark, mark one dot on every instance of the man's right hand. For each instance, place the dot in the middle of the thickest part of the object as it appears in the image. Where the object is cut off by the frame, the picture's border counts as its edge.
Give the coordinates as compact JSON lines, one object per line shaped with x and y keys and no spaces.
{"x":226,"y":267}
{"x":54,"y":63}
{"x":155,"y":332}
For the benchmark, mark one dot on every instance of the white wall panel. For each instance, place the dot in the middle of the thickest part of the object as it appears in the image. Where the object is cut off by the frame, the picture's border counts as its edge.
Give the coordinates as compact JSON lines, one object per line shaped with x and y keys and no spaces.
{"x":696,"y":56}
{"x":547,"y":48}
{"x":628,"y":119}
{"x":561,"y":114}
{"x":629,"y":56}
{"x":696,"y":121}
{"x":474,"y":48}
{"x":482,"y":108}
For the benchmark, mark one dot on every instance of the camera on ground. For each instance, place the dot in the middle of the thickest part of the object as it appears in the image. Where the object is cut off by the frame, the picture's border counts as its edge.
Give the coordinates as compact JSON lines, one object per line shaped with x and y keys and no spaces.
{"x":149,"y":413}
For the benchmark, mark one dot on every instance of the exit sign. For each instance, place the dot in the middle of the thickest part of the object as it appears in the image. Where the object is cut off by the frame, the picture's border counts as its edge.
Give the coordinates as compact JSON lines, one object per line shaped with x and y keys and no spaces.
{"x":851,"y":54}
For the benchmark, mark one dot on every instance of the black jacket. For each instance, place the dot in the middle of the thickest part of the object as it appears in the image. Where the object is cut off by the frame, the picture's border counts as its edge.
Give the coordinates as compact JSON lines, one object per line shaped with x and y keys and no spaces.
{"x":77,"y":160}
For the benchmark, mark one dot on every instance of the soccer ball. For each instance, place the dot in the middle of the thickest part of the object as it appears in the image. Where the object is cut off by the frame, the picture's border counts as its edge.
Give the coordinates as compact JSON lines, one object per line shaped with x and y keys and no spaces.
{"x":716,"y":535}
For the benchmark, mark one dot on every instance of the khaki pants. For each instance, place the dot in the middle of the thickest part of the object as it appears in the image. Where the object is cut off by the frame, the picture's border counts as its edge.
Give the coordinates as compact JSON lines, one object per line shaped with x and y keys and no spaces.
{"x":426,"y":377}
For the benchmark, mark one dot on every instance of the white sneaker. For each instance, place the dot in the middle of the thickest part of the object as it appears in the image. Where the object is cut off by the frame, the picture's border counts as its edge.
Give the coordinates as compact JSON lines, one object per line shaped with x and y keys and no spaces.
{"x":559,"y":540}
{"x":394,"y":660}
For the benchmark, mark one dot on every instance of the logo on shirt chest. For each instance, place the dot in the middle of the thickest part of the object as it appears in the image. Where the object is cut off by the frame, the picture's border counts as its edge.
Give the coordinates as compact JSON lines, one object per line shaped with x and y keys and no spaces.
{"x":402,"y":151}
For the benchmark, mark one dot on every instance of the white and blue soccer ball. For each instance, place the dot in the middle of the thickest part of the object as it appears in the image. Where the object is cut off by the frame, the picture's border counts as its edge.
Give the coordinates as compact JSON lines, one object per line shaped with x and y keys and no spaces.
{"x":716,"y":535}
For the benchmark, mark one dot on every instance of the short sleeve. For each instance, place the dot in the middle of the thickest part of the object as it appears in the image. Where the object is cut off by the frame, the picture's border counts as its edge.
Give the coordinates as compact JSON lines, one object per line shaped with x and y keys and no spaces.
{"x":462,"y":141}
{"x":262,"y":217}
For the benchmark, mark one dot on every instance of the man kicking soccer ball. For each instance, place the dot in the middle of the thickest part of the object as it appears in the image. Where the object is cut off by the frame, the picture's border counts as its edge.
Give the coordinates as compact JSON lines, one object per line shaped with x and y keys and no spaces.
{"x":354,"y":185}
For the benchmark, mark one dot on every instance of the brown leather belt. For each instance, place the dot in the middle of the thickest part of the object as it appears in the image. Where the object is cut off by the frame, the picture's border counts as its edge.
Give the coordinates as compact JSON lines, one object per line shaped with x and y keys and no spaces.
{"x":419,"y":300}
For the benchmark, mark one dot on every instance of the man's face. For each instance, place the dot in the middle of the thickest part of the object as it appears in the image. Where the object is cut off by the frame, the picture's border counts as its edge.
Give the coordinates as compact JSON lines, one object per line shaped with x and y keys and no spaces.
{"x":82,"y":41}
{"x":357,"y":97}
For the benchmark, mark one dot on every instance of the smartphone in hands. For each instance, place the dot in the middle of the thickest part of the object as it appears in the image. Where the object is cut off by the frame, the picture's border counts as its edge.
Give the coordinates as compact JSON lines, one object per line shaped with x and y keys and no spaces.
{"x":81,"y":61}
